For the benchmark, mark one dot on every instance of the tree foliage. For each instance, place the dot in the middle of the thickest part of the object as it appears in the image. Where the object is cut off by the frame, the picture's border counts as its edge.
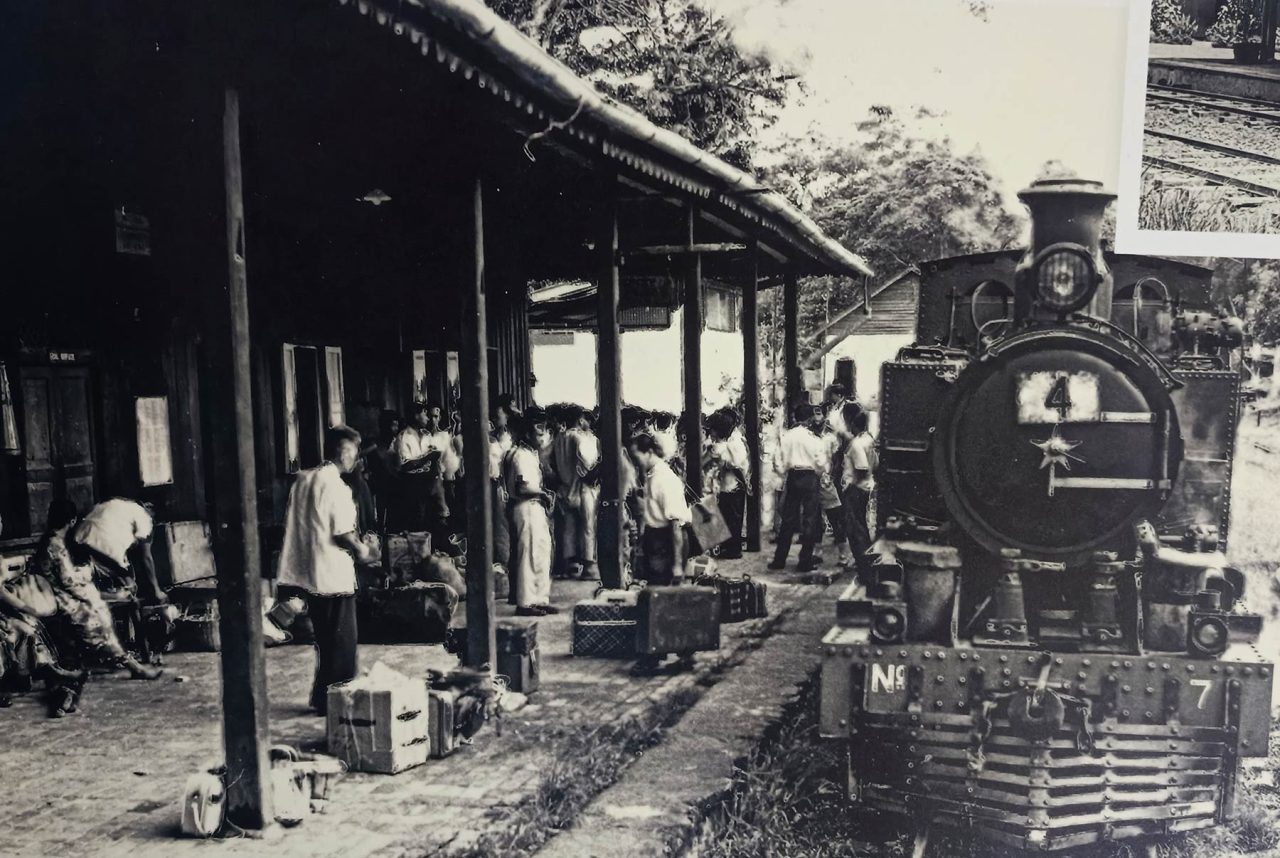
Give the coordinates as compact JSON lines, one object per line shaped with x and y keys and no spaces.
{"x":675,"y":61}
{"x":1170,"y":23}
{"x":894,"y":198}
{"x":1251,"y":288}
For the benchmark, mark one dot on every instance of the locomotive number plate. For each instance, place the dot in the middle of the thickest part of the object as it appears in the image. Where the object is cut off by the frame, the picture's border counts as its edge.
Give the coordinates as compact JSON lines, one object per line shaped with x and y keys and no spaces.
{"x":1058,"y":396}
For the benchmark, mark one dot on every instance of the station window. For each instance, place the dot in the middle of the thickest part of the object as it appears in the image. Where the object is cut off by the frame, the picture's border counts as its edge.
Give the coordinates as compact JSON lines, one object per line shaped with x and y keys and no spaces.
{"x":313,"y":400}
{"x":721,"y":309}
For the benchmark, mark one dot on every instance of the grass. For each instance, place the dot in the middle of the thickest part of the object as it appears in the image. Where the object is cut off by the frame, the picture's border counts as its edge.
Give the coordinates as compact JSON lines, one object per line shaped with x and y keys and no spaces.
{"x":586,"y":762}
{"x":1165,"y":207}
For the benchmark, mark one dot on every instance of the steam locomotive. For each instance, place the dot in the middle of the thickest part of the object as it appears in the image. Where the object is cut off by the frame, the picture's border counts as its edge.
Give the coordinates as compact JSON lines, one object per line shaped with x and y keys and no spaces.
{"x":1052,"y":650}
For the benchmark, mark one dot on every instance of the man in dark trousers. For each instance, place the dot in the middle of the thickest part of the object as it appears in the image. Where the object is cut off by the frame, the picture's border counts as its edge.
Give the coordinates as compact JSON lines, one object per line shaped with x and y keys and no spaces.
{"x":321,"y":548}
{"x":802,"y":456}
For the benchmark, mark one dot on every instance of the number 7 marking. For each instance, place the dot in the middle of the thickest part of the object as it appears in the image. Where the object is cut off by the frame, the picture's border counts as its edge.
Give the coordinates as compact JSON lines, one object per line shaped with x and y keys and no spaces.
{"x":1205,"y":685}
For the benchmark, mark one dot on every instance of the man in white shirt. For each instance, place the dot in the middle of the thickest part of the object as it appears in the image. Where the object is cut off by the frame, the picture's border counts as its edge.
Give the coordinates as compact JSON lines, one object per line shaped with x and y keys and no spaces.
{"x":837,"y":398}
{"x":802,"y":456}
{"x":728,"y":465}
{"x":420,"y":450}
{"x":664,"y":510}
{"x":530,"y":529}
{"x":320,"y":541}
{"x":857,"y":481}
{"x":117,"y":536}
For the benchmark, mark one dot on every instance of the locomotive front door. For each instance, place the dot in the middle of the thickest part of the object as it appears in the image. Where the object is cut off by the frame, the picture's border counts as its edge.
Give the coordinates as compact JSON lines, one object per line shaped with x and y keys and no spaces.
{"x":58,"y":438}
{"x":1056,"y":444}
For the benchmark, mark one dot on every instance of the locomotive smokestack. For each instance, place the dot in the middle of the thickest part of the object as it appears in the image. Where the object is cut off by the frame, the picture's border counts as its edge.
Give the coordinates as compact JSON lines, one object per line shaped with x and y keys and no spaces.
{"x":1064,"y":270}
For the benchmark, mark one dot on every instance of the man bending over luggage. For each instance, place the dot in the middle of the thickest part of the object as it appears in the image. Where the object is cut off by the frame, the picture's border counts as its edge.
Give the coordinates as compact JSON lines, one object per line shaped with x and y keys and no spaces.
{"x":320,"y":540}
{"x":665,"y":512}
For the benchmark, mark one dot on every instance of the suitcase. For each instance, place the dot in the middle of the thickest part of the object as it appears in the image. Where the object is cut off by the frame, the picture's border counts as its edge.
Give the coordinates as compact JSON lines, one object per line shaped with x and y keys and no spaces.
{"x":740,"y":598}
{"x":518,"y":654}
{"x":443,"y":738}
{"x":682,"y":619}
{"x":418,"y":613}
{"x":605,"y":626}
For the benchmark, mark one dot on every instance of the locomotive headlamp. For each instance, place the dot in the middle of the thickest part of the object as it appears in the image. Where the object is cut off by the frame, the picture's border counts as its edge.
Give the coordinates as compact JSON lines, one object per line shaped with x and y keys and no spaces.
{"x":1209,"y":635}
{"x":1064,"y":267}
{"x":1065,"y":277}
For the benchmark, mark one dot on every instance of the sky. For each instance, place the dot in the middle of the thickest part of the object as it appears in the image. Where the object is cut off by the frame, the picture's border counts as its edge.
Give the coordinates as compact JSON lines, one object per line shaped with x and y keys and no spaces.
{"x":1037,"y":80}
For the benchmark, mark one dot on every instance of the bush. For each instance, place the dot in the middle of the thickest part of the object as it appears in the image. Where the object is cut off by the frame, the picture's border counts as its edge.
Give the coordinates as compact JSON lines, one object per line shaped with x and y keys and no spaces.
{"x":1238,"y":22}
{"x":1170,"y":24}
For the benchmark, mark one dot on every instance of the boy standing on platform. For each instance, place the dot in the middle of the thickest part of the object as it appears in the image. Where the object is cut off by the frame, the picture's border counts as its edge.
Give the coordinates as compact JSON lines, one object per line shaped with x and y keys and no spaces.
{"x":665,"y":512}
{"x":802,"y":456}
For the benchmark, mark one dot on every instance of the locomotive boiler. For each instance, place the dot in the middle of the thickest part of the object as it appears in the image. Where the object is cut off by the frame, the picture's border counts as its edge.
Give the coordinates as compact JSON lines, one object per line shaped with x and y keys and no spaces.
{"x":1052,"y":650}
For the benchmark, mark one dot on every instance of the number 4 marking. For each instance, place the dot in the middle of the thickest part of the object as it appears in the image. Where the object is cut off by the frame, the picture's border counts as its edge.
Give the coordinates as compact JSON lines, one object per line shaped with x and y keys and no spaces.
{"x":1059,"y":399}
{"x":1205,"y":685}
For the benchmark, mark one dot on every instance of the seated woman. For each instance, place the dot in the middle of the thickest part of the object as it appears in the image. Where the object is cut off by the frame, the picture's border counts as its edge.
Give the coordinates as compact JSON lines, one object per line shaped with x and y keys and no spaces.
{"x":26,"y":653}
{"x":79,"y":600}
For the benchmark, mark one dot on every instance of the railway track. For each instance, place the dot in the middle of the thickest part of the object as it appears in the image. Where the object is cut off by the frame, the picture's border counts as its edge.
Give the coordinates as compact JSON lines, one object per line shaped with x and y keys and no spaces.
{"x":1201,"y":139}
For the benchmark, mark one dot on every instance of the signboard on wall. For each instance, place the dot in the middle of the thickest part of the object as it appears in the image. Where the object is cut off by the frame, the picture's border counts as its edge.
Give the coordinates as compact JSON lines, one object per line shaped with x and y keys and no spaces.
{"x":133,"y":233}
{"x":155,"y":455}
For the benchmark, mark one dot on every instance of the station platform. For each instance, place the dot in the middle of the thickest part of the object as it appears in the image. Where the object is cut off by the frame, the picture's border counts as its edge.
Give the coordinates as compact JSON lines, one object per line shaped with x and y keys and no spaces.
{"x":1202,"y":67}
{"x":106,"y":781}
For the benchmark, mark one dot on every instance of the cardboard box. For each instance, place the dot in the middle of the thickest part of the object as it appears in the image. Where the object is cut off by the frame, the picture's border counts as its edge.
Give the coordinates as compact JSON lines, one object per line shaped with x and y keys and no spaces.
{"x":379,"y":727}
{"x":440,"y":710}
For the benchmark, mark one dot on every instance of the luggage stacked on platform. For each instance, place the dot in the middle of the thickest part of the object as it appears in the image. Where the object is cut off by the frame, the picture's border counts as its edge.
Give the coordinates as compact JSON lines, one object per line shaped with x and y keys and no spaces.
{"x":740,"y":598}
{"x":605,"y":625}
{"x":518,"y":654}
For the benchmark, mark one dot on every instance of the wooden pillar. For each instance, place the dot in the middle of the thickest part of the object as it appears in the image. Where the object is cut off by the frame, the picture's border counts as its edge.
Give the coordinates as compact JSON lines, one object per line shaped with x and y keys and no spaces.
{"x":475,"y":443}
{"x":610,"y":523}
{"x":693,"y":360}
{"x":790,"y":341}
{"x":750,"y":323}
{"x":1270,"y":13}
{"x":226,"y":382}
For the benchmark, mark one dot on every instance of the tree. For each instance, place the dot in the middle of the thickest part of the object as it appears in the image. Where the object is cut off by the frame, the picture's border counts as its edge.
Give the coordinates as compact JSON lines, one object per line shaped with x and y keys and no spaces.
{"x":894,"y":198}
{"x":673,"y":60}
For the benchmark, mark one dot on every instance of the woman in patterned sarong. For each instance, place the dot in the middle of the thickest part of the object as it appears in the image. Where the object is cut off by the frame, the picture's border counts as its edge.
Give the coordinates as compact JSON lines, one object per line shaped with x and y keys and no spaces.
{"x":80,"y":601}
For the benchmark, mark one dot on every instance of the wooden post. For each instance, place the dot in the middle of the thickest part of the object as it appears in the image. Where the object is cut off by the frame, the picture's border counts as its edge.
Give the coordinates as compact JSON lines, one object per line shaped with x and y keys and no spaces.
{"x":610,"y":521}
{"x":475,"y":445}
{"x":226,"y":382}
{"x":1270,"y":11}
{"x":693,"y":362}
{"x":751,"y":392}
{"x":790,"y":341}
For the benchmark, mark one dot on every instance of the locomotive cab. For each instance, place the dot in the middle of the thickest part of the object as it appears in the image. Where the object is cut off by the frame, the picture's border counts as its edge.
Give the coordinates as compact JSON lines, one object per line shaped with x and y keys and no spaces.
{"x":1053,"y":650}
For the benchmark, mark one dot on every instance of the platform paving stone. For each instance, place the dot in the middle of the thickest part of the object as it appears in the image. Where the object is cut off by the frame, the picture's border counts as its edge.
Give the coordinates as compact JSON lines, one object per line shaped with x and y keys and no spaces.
{"x":107,"y":781}
{"x":655,"y":806}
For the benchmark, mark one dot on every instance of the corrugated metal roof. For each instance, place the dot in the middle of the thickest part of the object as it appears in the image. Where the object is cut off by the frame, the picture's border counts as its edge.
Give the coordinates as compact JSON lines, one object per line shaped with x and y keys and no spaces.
{"x":625,"y":135}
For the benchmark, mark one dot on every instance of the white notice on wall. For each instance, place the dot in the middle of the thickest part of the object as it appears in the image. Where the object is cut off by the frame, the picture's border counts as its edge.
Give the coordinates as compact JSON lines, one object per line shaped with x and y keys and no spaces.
{"x":155,"y":456}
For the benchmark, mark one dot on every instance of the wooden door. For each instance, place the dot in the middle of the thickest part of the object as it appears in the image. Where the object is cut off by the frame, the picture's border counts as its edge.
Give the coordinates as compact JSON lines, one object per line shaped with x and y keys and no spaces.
{"x":58,"y":421}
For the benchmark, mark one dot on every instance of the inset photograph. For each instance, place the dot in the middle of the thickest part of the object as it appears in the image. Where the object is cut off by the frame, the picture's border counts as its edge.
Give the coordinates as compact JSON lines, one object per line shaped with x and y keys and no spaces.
{"x":1211,"y":130}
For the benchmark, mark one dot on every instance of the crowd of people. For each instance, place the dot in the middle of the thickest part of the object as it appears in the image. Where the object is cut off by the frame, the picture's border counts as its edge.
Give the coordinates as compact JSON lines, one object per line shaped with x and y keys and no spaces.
{"x":544,"y":475}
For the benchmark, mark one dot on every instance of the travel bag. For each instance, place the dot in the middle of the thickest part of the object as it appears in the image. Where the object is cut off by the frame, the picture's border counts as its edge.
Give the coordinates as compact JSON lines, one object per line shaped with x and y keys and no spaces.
{"x":403,"y":552}
{"x":518,"y":654}
{"x":605,"y":625}
{"x":708,"y":524}
{"x":417,"y":613}
{"x":740,"y":598}
{"x":681,"y":619}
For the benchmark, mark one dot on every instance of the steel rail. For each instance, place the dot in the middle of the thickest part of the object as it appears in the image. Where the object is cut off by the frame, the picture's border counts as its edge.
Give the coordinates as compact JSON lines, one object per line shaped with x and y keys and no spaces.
{"x":1196,"y":142}
{"x":1231,"y":181}
{"x":1270,"y":111}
